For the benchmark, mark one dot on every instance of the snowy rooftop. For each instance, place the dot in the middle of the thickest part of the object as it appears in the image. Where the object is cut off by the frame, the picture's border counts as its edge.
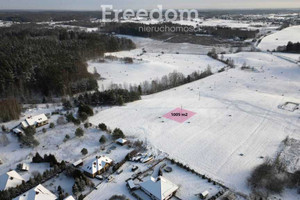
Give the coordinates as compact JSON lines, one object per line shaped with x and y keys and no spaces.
{"x":37,"y":193}
{"x":97,"y":164}
{"x":159,"y":187}
{"x":9,"y":180}
{"x":30,"y":121}
{"x":121,"y":141}
{"x":69,"y":198}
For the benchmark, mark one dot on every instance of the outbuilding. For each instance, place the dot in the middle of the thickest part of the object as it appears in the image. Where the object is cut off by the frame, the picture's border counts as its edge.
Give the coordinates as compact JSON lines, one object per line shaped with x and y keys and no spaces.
{"x":121,"y":141}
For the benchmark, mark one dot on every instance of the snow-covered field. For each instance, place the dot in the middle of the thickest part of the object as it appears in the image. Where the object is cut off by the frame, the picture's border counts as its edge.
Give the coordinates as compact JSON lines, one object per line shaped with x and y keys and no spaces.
{"x":156,"y":46}
{"x":153,"y":66}
{"x":160,"y":58}
{"x":236,"y":113}
{"x":289,"y":56}
{"x":280,"y":38}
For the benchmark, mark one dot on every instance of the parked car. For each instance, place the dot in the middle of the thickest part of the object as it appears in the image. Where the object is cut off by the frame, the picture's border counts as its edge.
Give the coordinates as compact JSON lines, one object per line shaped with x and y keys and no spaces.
{"x":99,"y":177}
{"x":134,"y":168}
{"x":109,"y":179}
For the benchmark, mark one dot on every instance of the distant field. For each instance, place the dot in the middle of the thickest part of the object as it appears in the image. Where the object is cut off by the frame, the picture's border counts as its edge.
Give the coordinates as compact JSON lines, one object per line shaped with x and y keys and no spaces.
{"x":280,"y":38}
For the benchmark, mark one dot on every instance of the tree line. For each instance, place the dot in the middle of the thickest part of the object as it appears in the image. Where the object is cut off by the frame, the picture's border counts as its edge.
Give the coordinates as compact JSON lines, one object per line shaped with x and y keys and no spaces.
{"x":173,"y":79}
{"x":108,"y":97}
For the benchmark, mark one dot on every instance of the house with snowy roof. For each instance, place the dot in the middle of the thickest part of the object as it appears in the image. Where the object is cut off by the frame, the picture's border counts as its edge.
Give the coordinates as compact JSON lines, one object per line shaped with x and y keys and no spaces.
{"x":10,"y":179}
{"x":69,"y":198}
{"x":35,"y":121}
{"x":37,"y":193}
{"x":159,"y":188}
{"x":97,"y":166}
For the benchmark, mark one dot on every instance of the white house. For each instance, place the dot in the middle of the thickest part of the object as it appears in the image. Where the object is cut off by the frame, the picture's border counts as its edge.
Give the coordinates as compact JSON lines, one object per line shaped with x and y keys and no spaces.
{"x":37,"y":193}
{"x":97,"y":166}
{"x":69,"y":198}
{"x":159,"y":188}
{"x":10,"y":179}
{"x":35,"y":121}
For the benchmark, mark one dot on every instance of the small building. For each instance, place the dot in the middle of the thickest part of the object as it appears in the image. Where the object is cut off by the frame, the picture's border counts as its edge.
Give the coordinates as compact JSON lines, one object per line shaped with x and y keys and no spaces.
{"x":97,"y":166}
{"x":204,"y":194}
{"x":78,"y":163}
{"x":37,"y":193}
{"x":131,"y":185}
{"x":10,"y":179}
{"x":121,"y":141}
{"x":17,"y":131}
{"x":35,"y":121}
{"x":23,"y":167}
{"x":159,"y":188}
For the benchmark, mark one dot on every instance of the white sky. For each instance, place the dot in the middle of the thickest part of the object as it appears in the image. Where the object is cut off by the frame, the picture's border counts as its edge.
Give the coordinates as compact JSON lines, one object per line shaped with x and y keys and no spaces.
{"x":147,"y":4}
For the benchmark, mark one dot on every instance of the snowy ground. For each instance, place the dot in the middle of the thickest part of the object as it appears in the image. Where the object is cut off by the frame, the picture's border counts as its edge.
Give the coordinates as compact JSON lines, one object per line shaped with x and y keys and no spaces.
{"x":153,"y":66}
{"x":290,"y":154}
{"x":237,"y":113}
{"x":289,"y":56}
{"x":156,"y":46}
{"x":280,"y":38}
{"x":160,"y":59}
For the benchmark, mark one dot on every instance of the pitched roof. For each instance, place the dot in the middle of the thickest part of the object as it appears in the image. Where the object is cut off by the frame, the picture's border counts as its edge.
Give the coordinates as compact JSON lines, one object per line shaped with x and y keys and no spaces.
{"x":121,"y":141}
{"x":159,"y":187}
{"x":97,"y":164}
{"x":37,"y":193}
{"x":10,"y":179}
{"x":30,"y":121}
{"x":69,"y":198}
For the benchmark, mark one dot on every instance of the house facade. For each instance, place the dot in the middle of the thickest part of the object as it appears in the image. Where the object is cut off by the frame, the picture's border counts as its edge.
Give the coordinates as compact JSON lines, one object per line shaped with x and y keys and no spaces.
{"x":35,"y":121}
{"x":37,"y":193}
{"x":10,"y":179}
{"x":97,"y":166}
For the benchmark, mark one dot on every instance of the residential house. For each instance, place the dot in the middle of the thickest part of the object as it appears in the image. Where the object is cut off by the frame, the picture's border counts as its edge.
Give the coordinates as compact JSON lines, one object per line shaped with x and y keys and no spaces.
{"x":97,"y":166}
{"x":37,"y":193}
{"x":159,"y":188}
{"x":35,"y":121}
{"x":10,"y":179}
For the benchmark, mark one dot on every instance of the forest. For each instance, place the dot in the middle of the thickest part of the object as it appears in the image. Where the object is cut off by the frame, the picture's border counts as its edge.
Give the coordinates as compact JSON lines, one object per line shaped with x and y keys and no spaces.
{"x":38,"y":61}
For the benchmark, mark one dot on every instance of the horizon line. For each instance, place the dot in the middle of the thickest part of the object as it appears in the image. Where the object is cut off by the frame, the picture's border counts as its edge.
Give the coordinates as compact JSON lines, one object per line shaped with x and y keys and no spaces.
{"x":199,"y":9}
